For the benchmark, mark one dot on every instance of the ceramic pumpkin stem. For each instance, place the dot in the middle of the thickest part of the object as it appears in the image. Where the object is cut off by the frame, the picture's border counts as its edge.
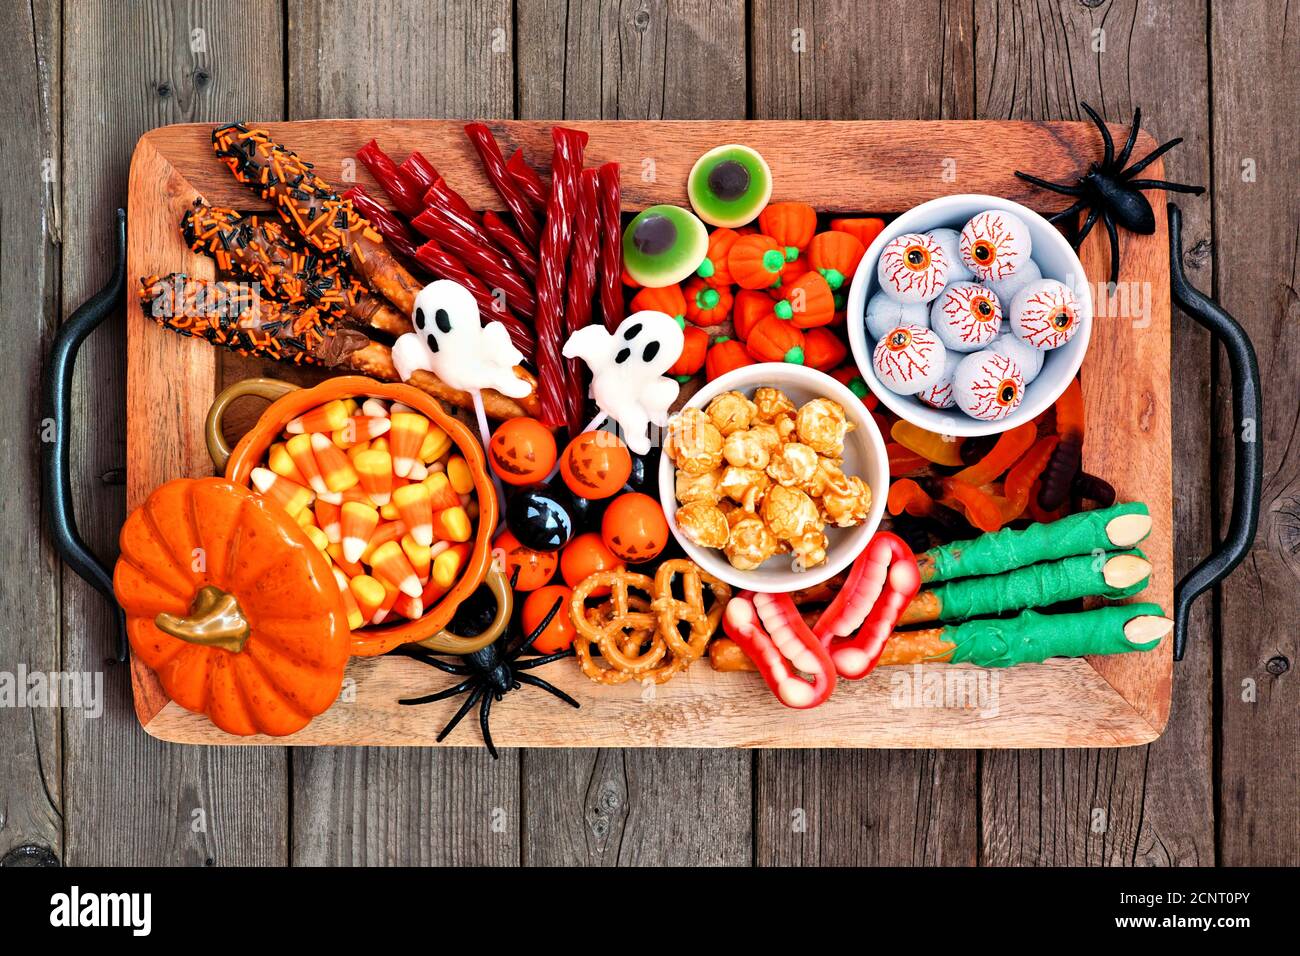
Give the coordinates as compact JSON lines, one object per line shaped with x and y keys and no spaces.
{"x":215,"y":620}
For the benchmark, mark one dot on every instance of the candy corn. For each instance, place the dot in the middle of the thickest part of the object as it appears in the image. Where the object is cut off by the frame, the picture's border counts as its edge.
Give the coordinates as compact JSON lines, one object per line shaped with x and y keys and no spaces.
{"x":350,"y":568}
{"x":452,"y":524}
{"x":359,"y":428}
{"x":391,"y":594}
{"x":335,"y":469}
{"x":419,"y":471}
{"x":462,"y":479}
{"x":289,"y":495}
{"x":279,"y":461}
{"x":420,"y":556}
{"x":317,"y":537}
{"x":387,"y":531}
{"x":375,"y":470}
{"x":389,"y":564}
{"x":405,"y":438}
{"x":357,"y":523}
{"x":374,"y":408}
{"x":327,"y":516}
{"x":409,"y":607}
{"x":435,"y":445}
{"x":299,"y":448}
{"x":446,"y":566}
{"x":306,"y":518}
{"x":325,"y":418}
{"x":357,"y":449}
{"x":441,"y":493}
{"x":369,"y":594}
{"x":413,"y":505}
{"x":397,"y":408}
{"x":355,"y":620}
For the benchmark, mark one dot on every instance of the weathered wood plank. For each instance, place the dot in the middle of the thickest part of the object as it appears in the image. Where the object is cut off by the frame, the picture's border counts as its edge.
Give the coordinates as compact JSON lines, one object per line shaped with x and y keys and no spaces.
{"x":1257,"y":207}
{"x":130,"y":799}
{"x":633,"y":60}
{"x":1151,"y":805}
{"x":31,"y":790}
{"x":847,"y":60}
{"x":403,"y":806}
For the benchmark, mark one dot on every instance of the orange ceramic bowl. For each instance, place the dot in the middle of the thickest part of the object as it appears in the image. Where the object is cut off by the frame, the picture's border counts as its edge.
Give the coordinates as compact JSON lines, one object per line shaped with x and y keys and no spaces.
{"x":251,"y":452}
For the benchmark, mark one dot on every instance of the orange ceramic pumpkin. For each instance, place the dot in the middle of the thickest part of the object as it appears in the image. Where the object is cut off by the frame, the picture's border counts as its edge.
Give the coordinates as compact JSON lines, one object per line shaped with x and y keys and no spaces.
{"x":836,"y":256}
{"x":807,"y":302}
{"x":789,"y":223}
{"x":668,"y":300}
{"x":252,"y":448}
{"x":232,"y":606}
{"x":775,"y":340}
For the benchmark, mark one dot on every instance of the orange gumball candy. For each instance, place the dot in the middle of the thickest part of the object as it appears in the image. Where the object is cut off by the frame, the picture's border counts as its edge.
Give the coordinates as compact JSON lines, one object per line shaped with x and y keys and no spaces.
{"x":559,"y":634}
{"x":596,"y":465}
{"x":522,"y":451}
{"x":584,"y":556}
{"x":536,"y":568}
{"x":634,"y":527}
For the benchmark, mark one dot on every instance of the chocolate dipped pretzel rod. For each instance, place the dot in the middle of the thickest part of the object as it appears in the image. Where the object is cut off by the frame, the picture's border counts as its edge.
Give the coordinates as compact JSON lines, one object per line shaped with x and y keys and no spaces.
{"x":323,"y":219}
{"x":1120,"y":575}
{"x":1119,"y":526}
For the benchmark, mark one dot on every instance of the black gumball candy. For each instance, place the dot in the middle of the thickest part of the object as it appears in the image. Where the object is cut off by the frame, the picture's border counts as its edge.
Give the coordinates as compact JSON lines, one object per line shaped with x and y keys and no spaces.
{"x":585,"y":512}
{"x":539,"y":520}
{"x":645,"y":475}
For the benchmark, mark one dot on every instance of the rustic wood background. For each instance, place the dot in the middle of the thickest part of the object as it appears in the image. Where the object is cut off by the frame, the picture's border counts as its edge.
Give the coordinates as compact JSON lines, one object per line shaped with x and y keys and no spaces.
{"x":84,"y":79}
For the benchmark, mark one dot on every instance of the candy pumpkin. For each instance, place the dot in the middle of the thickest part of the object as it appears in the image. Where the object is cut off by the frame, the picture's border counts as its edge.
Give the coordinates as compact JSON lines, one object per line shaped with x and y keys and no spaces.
{"x":713,"y":269}
{"x":667,"y":299}
{"x":694,"y":348}
{"x":823,"y":349}
{"x":775,"y":340}
{"x":756,"y":261}
{"x":232,"y":606}
{"x":864,"y":229}
{"x":789,"y":223}
{"x":836,"y":256}
{"x":807,"y":302}
{"x":750,"y":308}
{"x":705,"y":304}
{"x":725,"y":355}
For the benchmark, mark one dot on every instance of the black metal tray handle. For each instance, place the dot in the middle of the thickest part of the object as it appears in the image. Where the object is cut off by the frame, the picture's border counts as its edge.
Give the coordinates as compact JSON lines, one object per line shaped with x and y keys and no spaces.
{"x":1247,"y":435}
{"x":56,"y":409}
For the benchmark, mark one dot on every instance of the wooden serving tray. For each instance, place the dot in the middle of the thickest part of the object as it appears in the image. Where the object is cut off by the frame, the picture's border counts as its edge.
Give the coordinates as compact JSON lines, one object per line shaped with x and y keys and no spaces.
{"x":876,"y":167}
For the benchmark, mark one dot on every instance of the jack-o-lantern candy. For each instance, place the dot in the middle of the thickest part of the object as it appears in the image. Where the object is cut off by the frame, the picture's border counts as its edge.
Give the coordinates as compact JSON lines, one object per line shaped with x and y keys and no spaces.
{"x":596,"y":465}
{"x":634,"y":527}
{"x":913,"y":268}
{"x":584,"y":556}
{"x":1045,"y":314}
{"x":966,"y":316}
{"x":559,"y":634}
{"x":528,"y":569}
{"x":994,"y":244}
{"x":522,"y":451}
{"x":988,"y":386}
{"x":909,"y":359}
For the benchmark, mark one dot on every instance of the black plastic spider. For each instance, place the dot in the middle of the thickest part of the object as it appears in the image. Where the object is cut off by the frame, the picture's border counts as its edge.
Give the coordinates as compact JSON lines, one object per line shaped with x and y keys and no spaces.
{"x":490,"y":674}
{"x":1110,"y":192}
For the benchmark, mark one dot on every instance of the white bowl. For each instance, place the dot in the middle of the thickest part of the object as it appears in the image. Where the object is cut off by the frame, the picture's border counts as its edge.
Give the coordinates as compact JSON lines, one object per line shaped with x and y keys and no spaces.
{"x":1054,"y":257}
{"x":864,"y":455}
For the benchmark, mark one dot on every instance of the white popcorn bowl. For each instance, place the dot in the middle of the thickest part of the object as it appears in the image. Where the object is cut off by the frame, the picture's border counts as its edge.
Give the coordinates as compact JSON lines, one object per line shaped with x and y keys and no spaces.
{"x":864,"y":456}
{"x":1054,"y":257}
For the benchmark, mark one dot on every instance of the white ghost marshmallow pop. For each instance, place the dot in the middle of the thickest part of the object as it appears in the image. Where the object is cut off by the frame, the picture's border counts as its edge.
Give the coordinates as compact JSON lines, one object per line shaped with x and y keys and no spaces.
{"x":627,"y":371}
{"x":451,"y":342}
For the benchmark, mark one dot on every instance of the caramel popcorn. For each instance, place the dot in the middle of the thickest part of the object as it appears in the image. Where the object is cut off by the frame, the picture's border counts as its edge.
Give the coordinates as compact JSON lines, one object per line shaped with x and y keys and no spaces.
{"x":731,"y":412}
{"x":704,"y":524}
{"x":822,"y":426}
{"x":760,"y":477}
{"x":694,"y":443}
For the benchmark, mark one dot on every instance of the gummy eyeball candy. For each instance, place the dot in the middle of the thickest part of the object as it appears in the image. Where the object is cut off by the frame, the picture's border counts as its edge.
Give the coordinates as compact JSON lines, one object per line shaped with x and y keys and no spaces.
{"x":994,"y":244}
{"x":1023,"y":354}
{"x":909,"y":359}
{"x":940,"y":394}
{"x":967,"y":316}
{"x":987,"y":386}
{"x":913,"y":268}
{"x":885,"y":313}
{"x":950,"y":242}
{"x":1045,"y":314}
{"x":1006,"y":289}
